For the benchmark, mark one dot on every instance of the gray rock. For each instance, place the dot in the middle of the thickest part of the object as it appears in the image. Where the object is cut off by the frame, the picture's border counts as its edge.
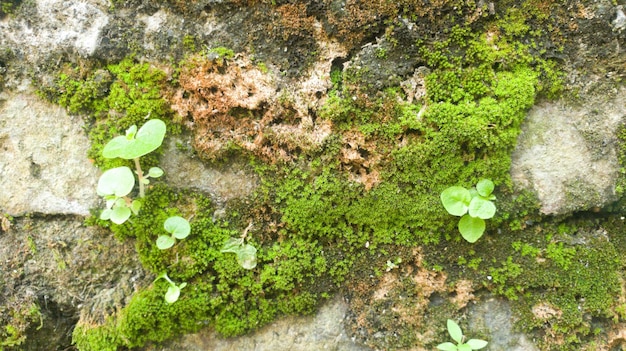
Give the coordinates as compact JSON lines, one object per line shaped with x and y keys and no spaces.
{"x":43,"y":163}
{"x":494,"y":316}
{"x":184,"y":170}
{"x":567,"y":153}
{"x":324,"y":331}
{"x":53,"y":25}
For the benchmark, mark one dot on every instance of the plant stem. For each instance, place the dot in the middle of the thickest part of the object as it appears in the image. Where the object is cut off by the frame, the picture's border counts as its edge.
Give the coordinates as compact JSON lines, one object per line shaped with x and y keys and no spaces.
{"x":140,"y":177}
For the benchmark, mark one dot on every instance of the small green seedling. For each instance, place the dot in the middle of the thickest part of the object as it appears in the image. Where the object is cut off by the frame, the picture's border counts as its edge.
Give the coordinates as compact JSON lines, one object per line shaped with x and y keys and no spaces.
{"x":173,"y":291}
{"x":178,"y":227}
{"x":116,"y":184}
{"x":473,"y":206}
{"x":246,"y":253}
{"x":393,"y":265}
{"x":461,"y":345}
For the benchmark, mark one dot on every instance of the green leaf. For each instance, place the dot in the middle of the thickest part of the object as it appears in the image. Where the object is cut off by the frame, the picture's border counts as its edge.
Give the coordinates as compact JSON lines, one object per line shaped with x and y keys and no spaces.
{"x":485,"y":187}
{"x":106,"y":214}
{"x":119,"y":214}
{"x":455,"y":331}
{"x":471,"y":228}
{"x":135,"y":206}
{"x":178,"y":226}
{"x":232,"y":245}
{"x":476,"y":344}
{"x":130,"y":132}
{"x":155,"y":172}
{"x":164,"y":242}
{"x":447,"y":346}
{"x":464,"y":347}
{"x":116,"y":147}
{"x":116,"y":181}
{"x":456,"y":200}
{"x":482,"y":208}
{"x":246,"y":256}
{"x":148,"y":138}
{"x":172,"y":294}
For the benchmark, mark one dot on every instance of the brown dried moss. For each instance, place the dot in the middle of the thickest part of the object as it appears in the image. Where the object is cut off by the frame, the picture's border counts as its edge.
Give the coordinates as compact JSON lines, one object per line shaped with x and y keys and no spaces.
{"x":232,"y":104}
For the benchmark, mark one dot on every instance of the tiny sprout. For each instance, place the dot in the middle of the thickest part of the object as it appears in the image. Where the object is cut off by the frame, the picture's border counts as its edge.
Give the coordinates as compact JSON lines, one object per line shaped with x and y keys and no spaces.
{"x":178,"y":227}
{"x":473,"y":206}
{"x":457,"y":335}
{"x":114,"y":185}
{"x":173,"y":291}
{"x":393,"y":265}
{"x":246,"y":253}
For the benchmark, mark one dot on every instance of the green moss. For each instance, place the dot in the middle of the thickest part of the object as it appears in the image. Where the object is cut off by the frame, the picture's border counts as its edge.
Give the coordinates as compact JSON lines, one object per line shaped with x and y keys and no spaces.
{"x":220,"y":53}
{"x":7,"y":7}
{"x":114,"y":98}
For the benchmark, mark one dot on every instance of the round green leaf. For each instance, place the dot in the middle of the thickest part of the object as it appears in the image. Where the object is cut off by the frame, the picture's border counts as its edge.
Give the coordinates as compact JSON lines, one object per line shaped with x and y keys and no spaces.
{"x":456,"y":200}
{"x":148,"y":138}
{"x":455,"y":331}
{"x":155,"y":172}
{"x":485,"y":187}
{"x":116,"y":147}
{"x":464,"y":347}
{"x":447,"y":346}
{"x":471,"y":228}
{"x":232,"y":245}
{"x":246,"y":256}
{"x":172,"y":294}
{"x":116,"y":181}
{"x":178,"y":226}
{"x":476,"y":344}
{"x":135,"y":206}
{"x":164,"y":242}
{"x":119,"y":214}
{"x":106,"y":214}
{"x":482,"y":208}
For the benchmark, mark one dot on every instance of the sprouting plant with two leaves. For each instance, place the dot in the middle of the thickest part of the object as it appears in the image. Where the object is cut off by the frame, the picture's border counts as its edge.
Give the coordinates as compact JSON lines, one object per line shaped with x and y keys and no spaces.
{"x":461,"y":344}
{"x":472,"y":205}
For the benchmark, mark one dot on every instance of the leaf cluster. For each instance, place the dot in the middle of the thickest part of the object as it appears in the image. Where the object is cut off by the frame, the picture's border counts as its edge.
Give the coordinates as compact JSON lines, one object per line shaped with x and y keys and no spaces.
{"x":473,"y":206}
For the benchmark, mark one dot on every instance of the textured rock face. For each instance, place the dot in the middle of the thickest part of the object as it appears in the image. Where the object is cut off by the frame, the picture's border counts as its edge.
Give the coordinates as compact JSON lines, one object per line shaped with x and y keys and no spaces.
{"x":325,"y":331}
{"x":56,"y":24}
{"x":567,"y":153}
{"x":495,"y":316}
{"x":43,"y":163}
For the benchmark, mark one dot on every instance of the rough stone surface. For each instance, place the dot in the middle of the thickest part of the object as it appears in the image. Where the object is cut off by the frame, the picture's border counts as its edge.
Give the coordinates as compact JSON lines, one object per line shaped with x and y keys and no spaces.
{"x":43,"y":163}
{"x":567,"y":153}
{"x":184,"y":170}
{"x":494,"y":315}
{"x":324,"y":331}
{"x":71,"y":25}
{"x":60,"y":269}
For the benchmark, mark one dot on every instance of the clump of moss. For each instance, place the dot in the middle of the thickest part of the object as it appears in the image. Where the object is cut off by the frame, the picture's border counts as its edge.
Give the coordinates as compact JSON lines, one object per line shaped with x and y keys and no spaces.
{"x":8,"y":6}
{"x":219,"y":292}
{"x":114,"y":98}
